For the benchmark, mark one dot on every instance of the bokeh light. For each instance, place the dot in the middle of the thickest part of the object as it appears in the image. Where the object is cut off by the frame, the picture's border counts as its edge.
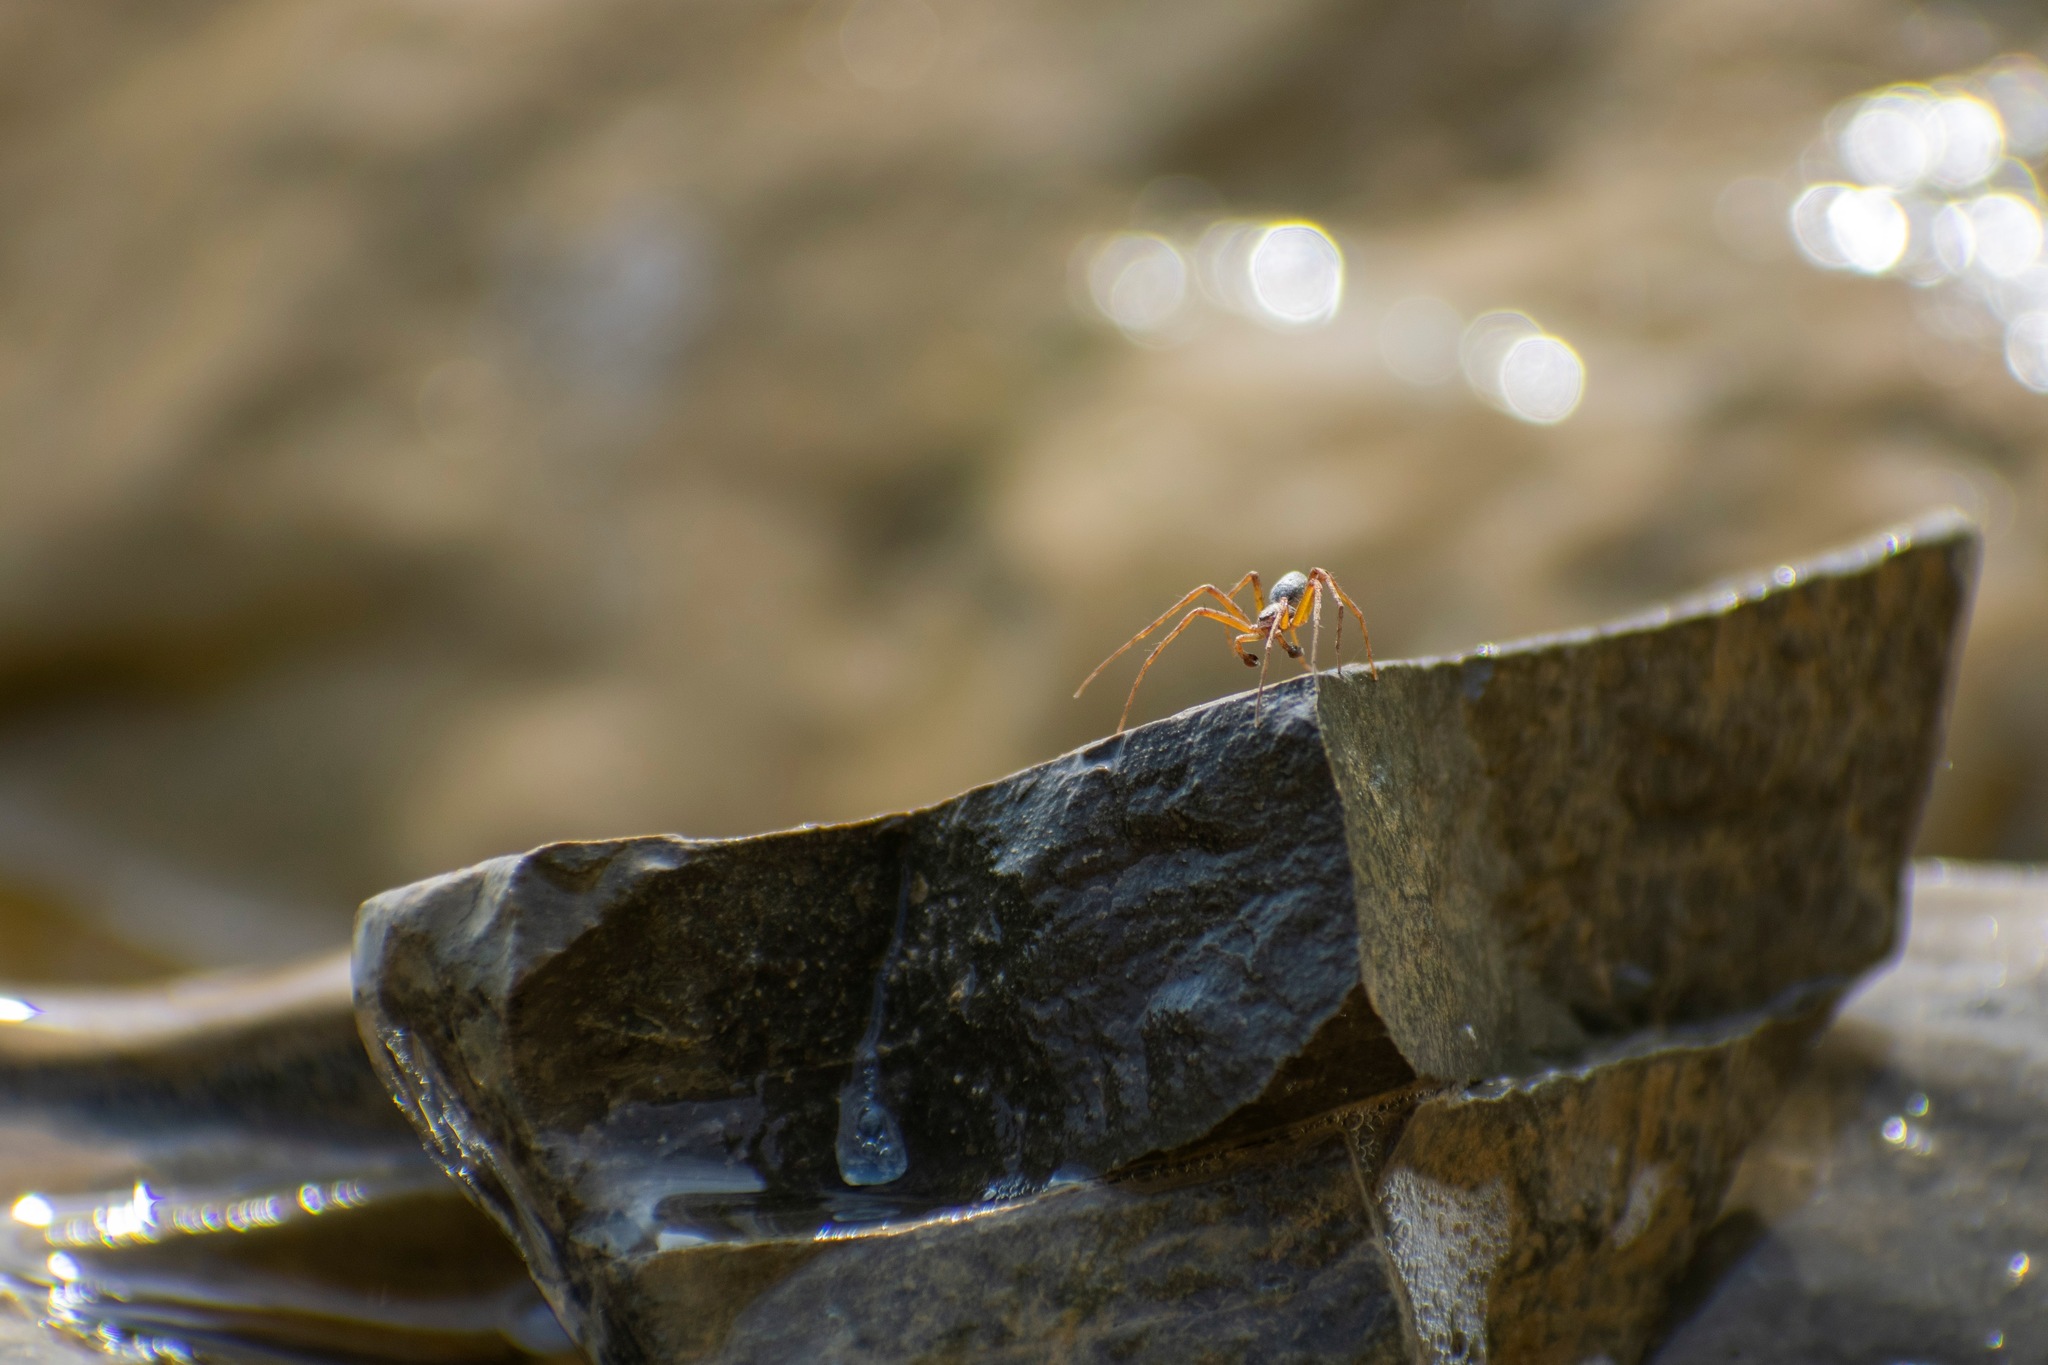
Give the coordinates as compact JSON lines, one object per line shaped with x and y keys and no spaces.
{"x":2026,"y":350}
{"x":1542,"y":379}
{"x":1893,"y":139}
{"x":1954,"y":238}
{"x":1223,"y":263}
{"x":1296,"y":274}
{"x":1139,"y":281}
{"x":1973,"y":142}
{"x":1484,"y":349}
{"x":1811,"y":231}
{"x":1869,"y":229}
{"x":1512,"y":363}
{"x":2007,"y":234}
{"x":1932,"y":194}
{"x":2017,"y":87}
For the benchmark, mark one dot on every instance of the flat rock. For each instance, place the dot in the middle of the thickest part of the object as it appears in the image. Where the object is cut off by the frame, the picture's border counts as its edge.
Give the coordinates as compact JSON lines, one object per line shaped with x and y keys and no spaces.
{"x":714,"y":1088}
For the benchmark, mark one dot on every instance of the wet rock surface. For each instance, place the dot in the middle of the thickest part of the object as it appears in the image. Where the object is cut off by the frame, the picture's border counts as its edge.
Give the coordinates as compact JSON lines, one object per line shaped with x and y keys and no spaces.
{"x":1894,"y":1208}
{"x":1881,"y":1215}
{"x":691,"y":1076}
{"x":210,"y":1170}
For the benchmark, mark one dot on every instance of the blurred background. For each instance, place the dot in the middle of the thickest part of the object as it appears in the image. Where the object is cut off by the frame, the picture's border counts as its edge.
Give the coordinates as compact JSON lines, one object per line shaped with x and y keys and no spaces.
{"x":433,"y":427}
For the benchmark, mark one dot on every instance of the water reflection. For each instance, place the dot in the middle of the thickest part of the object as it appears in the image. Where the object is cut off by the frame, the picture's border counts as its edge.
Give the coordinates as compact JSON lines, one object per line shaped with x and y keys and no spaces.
{"x":1928,"y":183}
{"x":1283,"y":274}
{"x":1184,"y":258}
{"x":1511,"y":362}
{"x":230,"y":1272}
{"x":1296,"y":274}
{"x":1139,"y":281}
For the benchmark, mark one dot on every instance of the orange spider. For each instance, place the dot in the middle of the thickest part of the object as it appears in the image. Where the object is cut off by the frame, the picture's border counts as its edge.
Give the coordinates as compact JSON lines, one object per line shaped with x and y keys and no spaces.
{"x":1297,"y":599}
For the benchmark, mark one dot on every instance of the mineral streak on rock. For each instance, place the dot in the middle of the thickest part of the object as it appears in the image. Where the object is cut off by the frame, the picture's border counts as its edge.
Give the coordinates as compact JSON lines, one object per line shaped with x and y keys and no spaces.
{"x":1052,"y":1066}
{"x":1541,"y":1220}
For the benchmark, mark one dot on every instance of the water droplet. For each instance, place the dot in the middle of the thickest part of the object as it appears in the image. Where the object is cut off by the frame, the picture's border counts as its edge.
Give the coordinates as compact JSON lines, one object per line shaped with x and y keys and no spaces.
{"x":1916,"y":1104}
{"x":2016,"y":1269}
{"x":871,"y":1150}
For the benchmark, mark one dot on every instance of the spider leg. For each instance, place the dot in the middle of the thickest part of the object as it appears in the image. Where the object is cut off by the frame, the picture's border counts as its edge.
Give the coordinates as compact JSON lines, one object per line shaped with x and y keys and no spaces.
{"x":1258,"y":592}
{"x":1315,"y":617}
{"x":1234,"y":621}
{"x":1291,"y":642}
{"x":1238,"y":618}
{"x":1323,"y":576}
{"x":1265,"y":657}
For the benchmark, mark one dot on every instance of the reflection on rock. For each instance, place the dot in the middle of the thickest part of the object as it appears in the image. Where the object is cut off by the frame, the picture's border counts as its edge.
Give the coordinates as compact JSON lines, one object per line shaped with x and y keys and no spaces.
{"x":210,"y":1170}
{"x":1420,"y":1017}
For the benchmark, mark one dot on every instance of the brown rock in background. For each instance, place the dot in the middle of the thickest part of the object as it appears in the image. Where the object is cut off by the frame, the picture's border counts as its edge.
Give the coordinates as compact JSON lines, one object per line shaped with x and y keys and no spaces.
{"x":433,"y":428}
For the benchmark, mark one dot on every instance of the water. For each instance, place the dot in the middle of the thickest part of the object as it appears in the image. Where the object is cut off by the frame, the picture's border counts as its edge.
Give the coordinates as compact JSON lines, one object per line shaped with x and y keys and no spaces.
{"x":871,"y":1150}
{"x":870,"y":1147}
{"x":243,"y":1254}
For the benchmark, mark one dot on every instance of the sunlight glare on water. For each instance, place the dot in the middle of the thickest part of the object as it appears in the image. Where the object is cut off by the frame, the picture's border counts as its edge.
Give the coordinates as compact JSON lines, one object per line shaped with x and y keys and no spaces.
{"x":1869,"y":229}
{"x":2017,"y":87}
{"x":1139,"y":281}
{"x":1811,"y":231}
{"x":1297,"y":274}
{"x":1542,"y":380}
{"x":2007,"y":233}
{"x":1894,"y":139}
{"x":1929,"y":192}
{"x":1287,"y":275}
{"x":1973,"y":142}
{"x":1485,"y":346}
{"x":1512,"y":363}
{"x":2026,"y":350}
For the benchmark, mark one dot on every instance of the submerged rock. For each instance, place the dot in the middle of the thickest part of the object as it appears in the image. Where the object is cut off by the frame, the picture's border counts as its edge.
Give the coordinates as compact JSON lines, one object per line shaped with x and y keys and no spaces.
{"x":1082,"y":1061}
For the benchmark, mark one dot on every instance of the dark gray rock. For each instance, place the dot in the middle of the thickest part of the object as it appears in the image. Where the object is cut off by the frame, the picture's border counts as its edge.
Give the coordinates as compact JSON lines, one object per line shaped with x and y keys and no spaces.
{"x":796,"y":1093}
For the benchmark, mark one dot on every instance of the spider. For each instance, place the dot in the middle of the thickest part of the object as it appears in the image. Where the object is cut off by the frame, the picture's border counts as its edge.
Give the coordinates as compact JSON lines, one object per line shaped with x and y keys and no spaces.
{"x":1297,"y":598}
